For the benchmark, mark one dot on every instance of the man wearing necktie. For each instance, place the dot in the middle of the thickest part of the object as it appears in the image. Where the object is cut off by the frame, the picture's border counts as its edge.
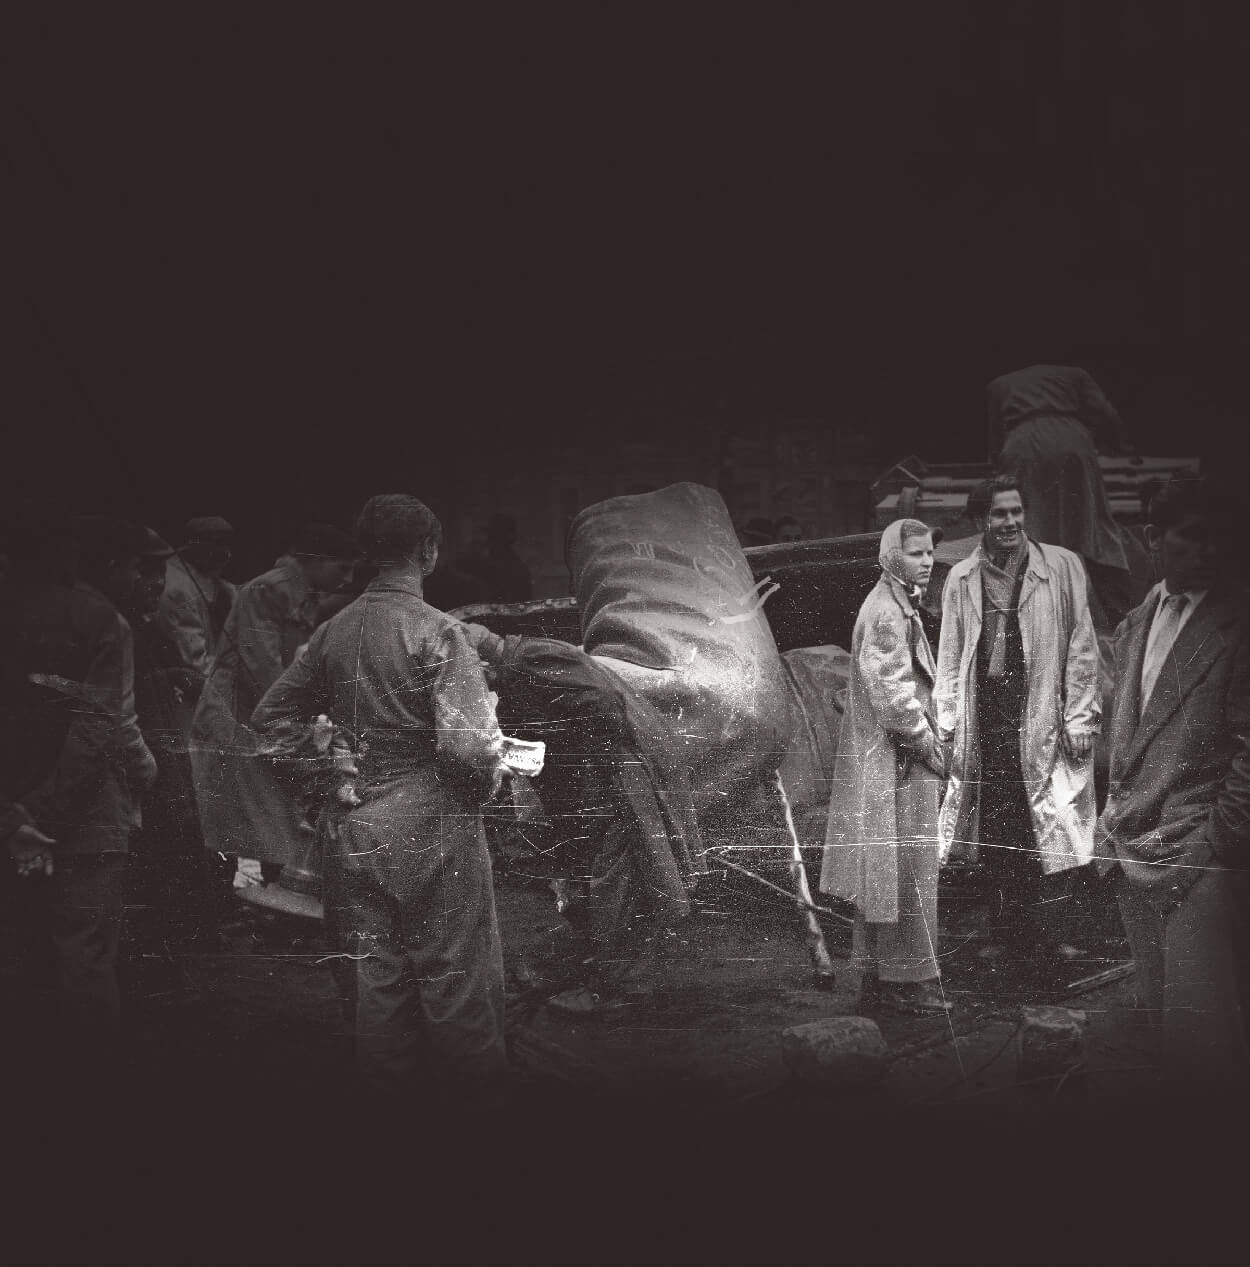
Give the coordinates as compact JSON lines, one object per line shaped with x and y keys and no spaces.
{"x":1178,"y":811}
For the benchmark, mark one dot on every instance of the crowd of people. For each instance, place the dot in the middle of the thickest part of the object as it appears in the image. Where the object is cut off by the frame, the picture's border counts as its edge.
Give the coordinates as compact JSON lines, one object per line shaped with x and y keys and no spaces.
{"x":989,"y":750}
{"x":166,"y":733}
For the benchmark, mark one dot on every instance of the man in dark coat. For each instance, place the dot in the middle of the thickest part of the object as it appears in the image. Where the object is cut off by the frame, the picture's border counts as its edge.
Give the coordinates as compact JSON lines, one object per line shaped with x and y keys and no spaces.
{"x":74,"y":767}
{"x":1176,"y":826}
{"x":617,"y":790}
{"x":185,"y":889}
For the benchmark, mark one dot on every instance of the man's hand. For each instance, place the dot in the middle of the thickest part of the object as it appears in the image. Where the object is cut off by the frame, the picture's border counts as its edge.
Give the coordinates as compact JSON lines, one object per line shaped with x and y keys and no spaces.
{"x":31,"y":851}
{"x":496,"y":780}
{"x":345,"y":793}
{"x":146,"y":771}
{"x":187,"y":683}
{"x":1077,"y":747}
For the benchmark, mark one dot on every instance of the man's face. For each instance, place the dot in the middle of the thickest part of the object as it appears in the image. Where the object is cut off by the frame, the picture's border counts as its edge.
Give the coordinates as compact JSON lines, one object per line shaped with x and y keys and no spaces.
{"x":918,"y":559}
{"x":1004,"y":524}
{"x":151,"y":585}
{"x":1187,"y":552}
{"x":210,"y":558}
{"x":120,"y":580}
{"x":328,"y":576}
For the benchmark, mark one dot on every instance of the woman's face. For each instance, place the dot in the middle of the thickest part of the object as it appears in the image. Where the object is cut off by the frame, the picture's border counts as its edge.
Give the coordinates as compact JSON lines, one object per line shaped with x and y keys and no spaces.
{"x":918,"y":559}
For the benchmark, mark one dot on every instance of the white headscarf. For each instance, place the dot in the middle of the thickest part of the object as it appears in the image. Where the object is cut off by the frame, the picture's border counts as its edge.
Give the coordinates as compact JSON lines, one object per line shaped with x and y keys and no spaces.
{"x":891,"y":554}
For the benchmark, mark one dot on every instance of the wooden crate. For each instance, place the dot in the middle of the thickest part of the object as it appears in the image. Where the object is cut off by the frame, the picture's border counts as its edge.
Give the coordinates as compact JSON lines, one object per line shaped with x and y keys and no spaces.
{"x":938,"y":494}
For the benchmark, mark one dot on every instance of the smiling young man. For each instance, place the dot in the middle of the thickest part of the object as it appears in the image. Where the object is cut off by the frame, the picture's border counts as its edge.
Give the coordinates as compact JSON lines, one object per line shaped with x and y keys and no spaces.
{"x":1177,"y":818}
{"x":1017,"y":692}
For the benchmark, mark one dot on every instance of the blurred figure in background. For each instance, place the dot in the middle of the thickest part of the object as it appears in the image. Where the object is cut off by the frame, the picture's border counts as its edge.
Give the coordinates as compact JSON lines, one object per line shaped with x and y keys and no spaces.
{"x":197,"y":598}
{"x":244,"y":810}
{"x":182,"y":889}
{"x":789,"y":529}
{"x":1052,"y":421}
{"x":758,"y":532}
{"x":497,"y":565}
{"x":74,"y":768}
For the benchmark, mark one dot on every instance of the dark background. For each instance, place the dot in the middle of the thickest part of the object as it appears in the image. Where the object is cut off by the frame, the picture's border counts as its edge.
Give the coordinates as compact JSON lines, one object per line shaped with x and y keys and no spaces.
{"x":266,"y":264}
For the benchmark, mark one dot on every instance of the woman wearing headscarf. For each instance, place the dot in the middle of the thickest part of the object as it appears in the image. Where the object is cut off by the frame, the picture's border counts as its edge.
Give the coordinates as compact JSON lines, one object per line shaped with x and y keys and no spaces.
{"x":881,"y":844}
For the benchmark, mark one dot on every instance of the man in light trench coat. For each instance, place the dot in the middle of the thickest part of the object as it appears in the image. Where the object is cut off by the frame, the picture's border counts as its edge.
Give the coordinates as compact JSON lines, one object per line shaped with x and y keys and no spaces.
{"x":244,"y":809}
{"x":1017,"y":692}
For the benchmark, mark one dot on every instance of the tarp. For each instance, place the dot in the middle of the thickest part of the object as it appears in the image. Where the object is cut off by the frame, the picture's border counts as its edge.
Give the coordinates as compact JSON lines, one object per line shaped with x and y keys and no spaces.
{"x":669,"y":603}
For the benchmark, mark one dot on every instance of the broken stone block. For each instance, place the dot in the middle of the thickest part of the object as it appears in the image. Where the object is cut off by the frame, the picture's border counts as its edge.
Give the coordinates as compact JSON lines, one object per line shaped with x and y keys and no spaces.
{"x":841,"y":1051}
{"x":1050,"y":1043}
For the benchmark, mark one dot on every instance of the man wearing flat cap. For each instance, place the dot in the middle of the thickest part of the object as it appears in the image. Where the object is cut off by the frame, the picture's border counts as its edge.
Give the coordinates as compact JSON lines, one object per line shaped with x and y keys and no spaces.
{"x":244,"y":810}
{"x":197,"y":598}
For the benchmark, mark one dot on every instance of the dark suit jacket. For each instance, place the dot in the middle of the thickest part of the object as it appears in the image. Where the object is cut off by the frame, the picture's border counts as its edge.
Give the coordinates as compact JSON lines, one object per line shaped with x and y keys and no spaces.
{"x":1180,"y":775}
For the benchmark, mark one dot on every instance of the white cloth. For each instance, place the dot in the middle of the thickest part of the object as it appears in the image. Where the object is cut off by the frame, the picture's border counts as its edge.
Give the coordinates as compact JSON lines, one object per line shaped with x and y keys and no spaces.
{"x":1171,"y":616}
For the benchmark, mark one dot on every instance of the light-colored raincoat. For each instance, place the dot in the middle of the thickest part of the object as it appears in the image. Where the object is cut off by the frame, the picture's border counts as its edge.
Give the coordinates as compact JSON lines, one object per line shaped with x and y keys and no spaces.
{"x":883,"y":796}
{"x":1061,"y":659}
{"x":186,"y":612}
{"x":244,"y":808}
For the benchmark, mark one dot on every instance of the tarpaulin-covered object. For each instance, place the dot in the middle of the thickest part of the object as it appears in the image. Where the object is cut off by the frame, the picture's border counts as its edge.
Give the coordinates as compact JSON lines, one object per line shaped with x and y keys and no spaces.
{"x":817,"y":678}
{"x":612,"y":785}
{"x":669,"y":603}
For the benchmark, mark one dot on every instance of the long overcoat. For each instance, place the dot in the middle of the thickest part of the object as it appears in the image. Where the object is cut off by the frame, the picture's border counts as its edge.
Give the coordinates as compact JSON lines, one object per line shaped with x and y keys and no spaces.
{"x":882,"y":797}
{"x":1062,"y":693}
{"x":243,"y":806}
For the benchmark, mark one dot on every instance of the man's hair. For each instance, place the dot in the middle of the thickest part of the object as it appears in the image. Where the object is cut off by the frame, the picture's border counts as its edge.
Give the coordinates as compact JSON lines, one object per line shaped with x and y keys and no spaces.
{"x":982,"y":497}
{"x":1181,"y":496}
{"x":393,"y":527}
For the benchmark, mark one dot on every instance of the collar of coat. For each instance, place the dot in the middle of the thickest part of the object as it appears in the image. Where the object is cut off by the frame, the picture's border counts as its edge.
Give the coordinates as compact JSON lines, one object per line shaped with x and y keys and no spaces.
{"x":922,"y":653}
{"x":1207,"y":633}
{"x":1037,"y":571}
{"x":396,"y":584}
